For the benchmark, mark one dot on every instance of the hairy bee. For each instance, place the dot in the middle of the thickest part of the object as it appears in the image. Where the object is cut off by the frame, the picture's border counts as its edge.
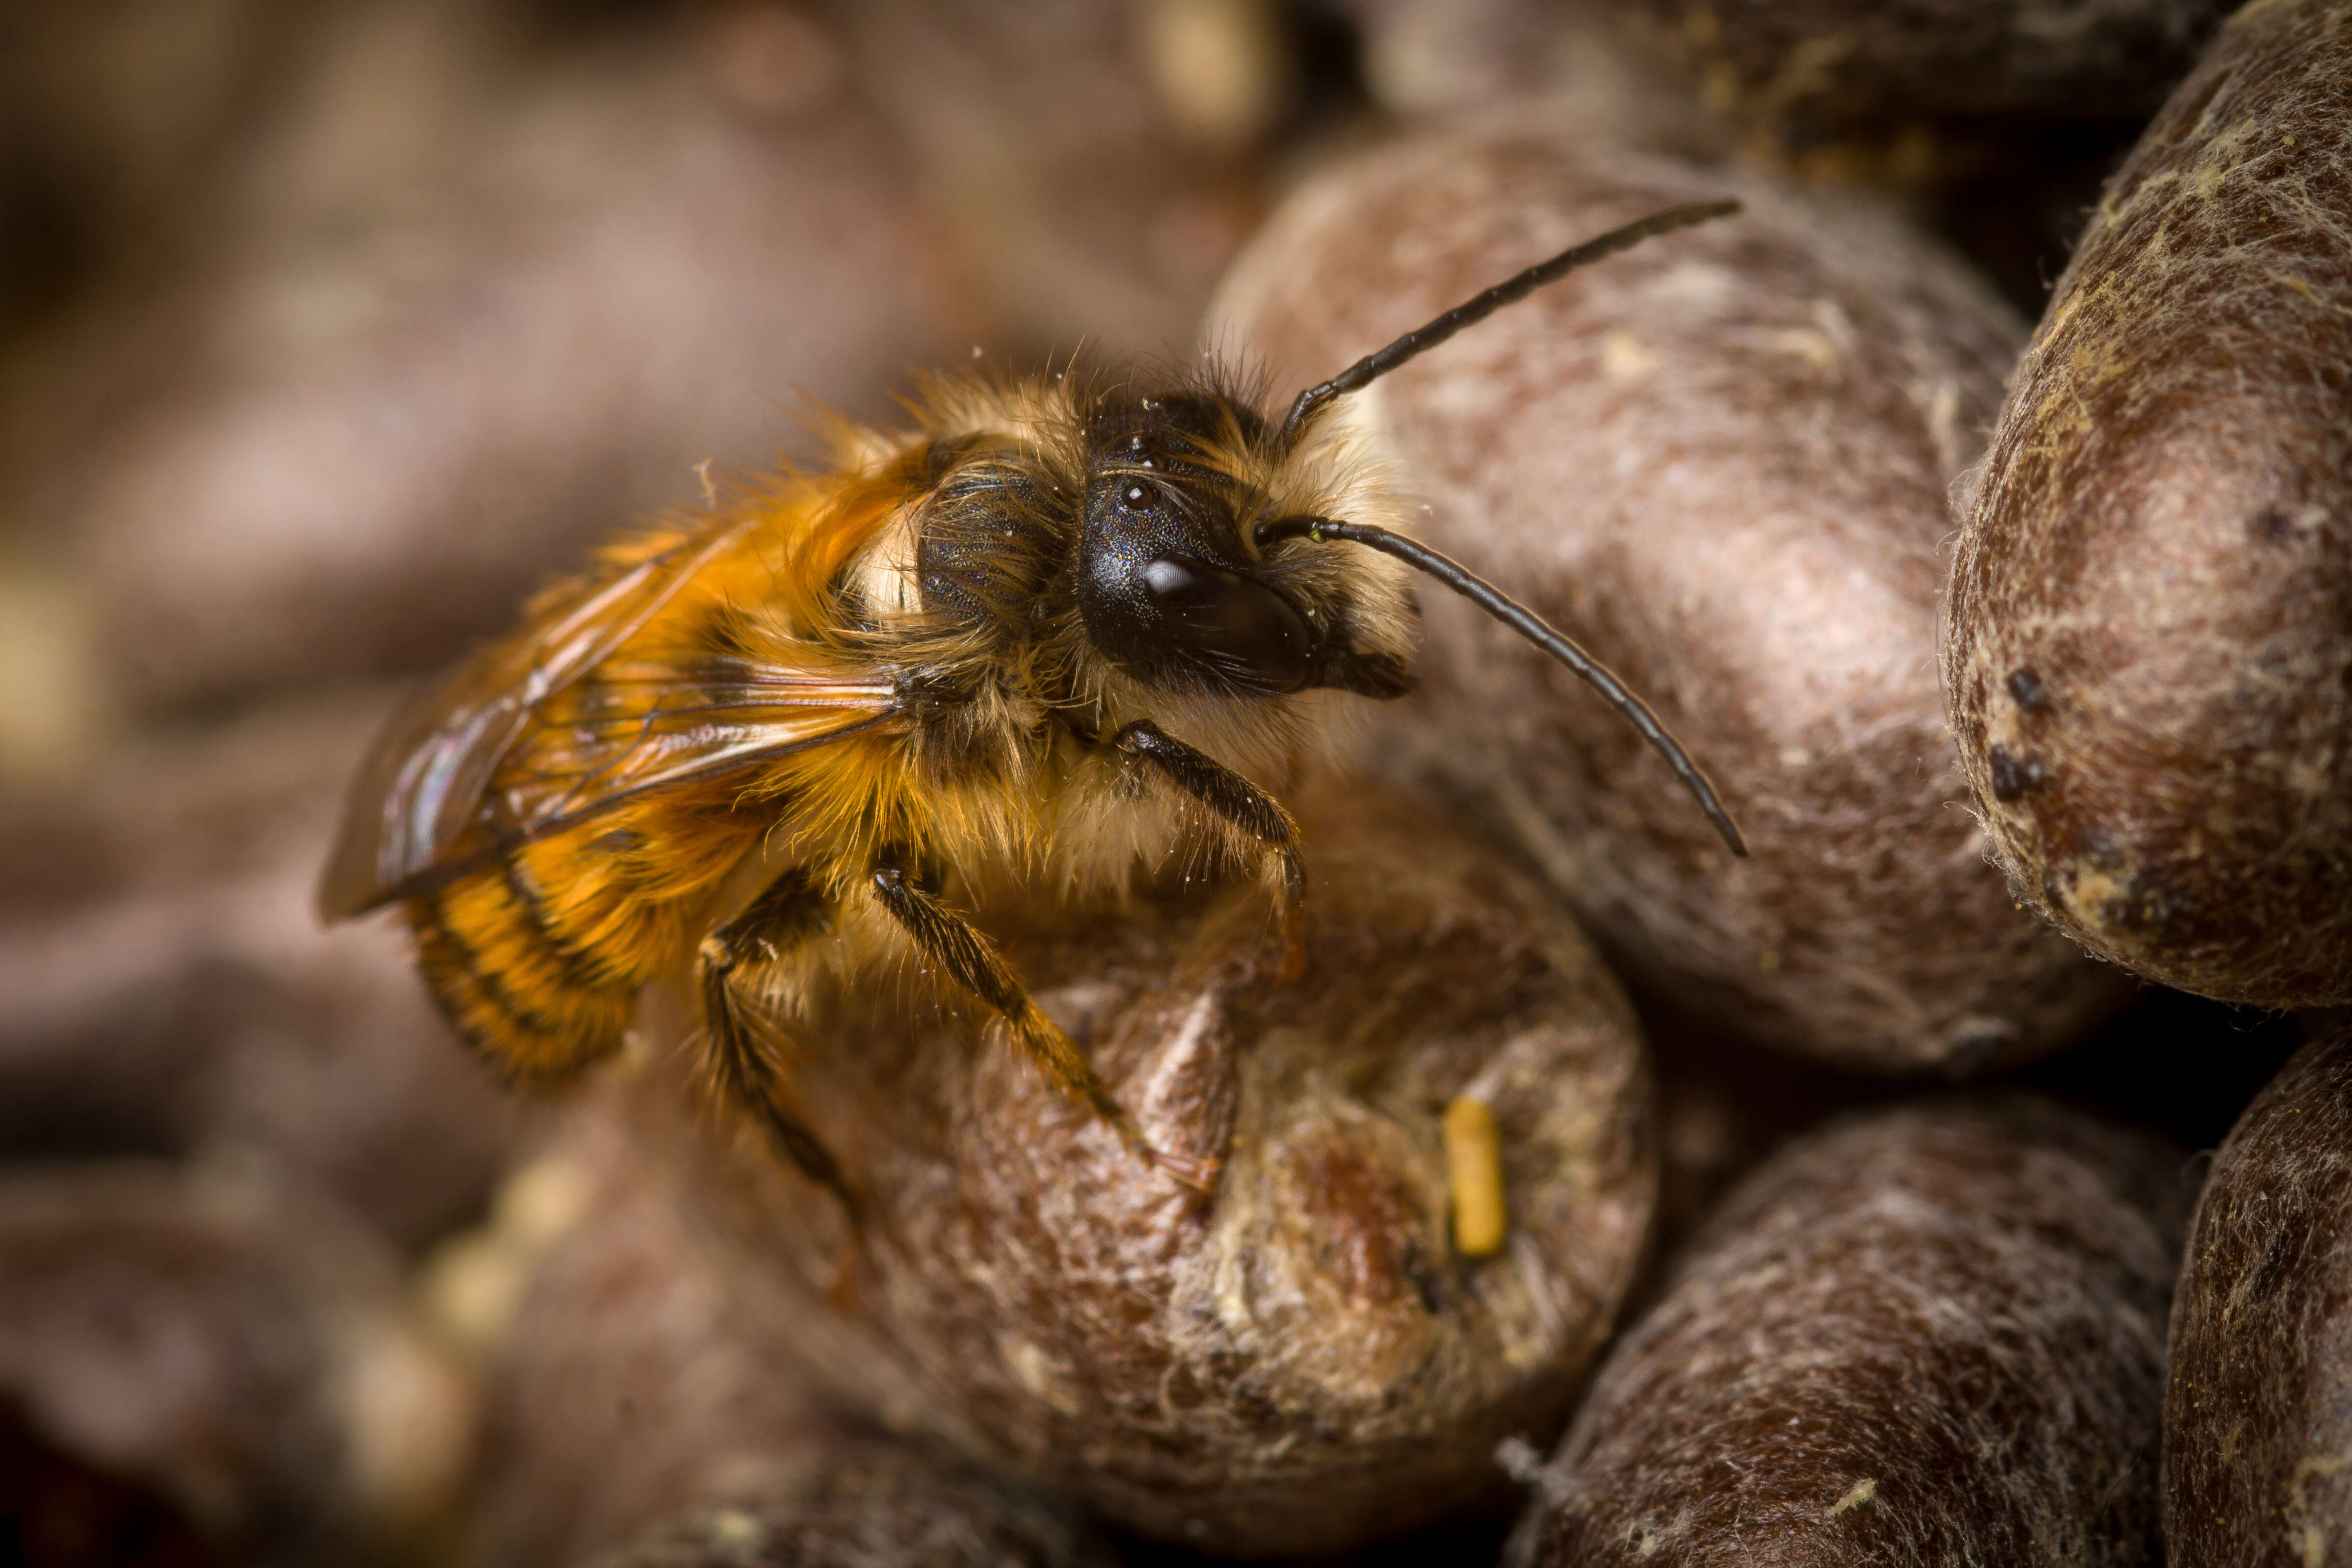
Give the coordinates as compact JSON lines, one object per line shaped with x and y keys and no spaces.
{"x":963,"y":648}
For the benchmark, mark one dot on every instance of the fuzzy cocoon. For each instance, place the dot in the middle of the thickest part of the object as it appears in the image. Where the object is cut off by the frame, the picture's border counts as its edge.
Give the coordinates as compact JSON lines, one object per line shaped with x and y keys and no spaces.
{"x":1296,"y":1362}
{"x":873,"y":1505}
{"x":1925,"y":1335}
{"x":2258,"y":1399}
{"x":1719,"y":461}
{"x":1838,"y":59}
{"x":2149,"y":651}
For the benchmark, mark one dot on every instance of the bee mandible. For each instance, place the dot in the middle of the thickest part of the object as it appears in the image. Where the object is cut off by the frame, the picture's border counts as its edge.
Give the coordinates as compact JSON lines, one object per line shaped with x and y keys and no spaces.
{"x":959,"y":653}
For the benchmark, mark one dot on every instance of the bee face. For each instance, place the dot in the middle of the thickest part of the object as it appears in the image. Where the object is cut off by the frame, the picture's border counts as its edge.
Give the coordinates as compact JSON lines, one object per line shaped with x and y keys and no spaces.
{"x":1167,"y":587}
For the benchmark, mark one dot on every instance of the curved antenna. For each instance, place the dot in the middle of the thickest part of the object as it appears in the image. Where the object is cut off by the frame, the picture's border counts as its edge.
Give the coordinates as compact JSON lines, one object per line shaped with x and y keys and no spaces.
{"x":1533,"y":627}
{"x":1471,"y":312}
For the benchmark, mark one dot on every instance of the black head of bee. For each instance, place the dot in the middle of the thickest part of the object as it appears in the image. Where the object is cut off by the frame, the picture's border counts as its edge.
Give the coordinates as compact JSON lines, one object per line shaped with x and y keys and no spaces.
{"x":1240,"y":630}
{"x":1165,"y":586}
{"x":1173,"y":579}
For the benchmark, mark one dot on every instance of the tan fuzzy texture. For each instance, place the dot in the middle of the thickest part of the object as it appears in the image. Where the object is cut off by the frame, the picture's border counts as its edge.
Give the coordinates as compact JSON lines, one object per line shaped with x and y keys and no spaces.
{"x":2149,"y":655}
{"x":1296,"y":1362}
{"x":2258,"y":1401}
{"x":876,"y":1505}
{"x":1928,"y":1335}
{"x":1719,"y":461}
{"x":1845,"y":58}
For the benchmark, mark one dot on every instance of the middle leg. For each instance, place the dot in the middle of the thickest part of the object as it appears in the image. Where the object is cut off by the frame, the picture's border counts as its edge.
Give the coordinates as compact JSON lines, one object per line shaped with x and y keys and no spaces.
{"x":743,"y":1065}
{"x":952,"y":943}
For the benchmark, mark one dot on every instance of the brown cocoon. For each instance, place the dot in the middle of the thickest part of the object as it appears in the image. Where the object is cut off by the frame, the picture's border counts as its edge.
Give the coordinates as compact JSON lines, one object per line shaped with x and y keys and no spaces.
{"x":2258,"y":1400}
{"x":627,"y":1386}
{"x":1298,"y":1361}
{"x":1846,"y":59}
{"x":1718,"y":461}
{"x":1724,"y":1106}
{"x":878,"y":1505}
{"x":229,"y":1351}
{"x":1922,"y":1336}
{"x":2148,"y":655}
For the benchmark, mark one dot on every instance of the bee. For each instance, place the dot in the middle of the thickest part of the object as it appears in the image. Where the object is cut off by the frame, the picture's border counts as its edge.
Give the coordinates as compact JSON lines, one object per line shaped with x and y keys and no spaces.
{"x":992,"y":646}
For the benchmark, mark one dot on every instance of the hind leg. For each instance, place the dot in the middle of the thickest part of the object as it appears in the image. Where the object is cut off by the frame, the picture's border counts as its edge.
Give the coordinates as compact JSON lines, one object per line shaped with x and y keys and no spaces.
{"x":951,"y":942}
{"x":741,"y":1057}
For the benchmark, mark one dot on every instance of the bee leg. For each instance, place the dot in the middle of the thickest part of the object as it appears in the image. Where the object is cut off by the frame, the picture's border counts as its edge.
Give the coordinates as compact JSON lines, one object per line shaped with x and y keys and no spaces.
{"x":1242,"y":807}
{"x":742,"y":1065}
{"x":947,"y":939}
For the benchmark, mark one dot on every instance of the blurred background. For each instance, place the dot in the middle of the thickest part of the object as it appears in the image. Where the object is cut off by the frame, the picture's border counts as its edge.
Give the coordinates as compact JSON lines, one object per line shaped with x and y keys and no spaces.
{"x":330,"y":327}
{"x":326,"y":327}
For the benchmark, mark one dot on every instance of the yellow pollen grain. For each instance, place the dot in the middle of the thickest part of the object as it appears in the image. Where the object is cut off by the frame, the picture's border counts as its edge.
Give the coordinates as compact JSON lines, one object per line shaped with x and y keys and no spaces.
{"x":1474,"y":1166}
{"x":1862,"y":1493}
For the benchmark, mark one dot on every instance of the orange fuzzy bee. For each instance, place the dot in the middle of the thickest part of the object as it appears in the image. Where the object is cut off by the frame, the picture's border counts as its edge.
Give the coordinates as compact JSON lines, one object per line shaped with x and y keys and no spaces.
{"x":963,"y":650}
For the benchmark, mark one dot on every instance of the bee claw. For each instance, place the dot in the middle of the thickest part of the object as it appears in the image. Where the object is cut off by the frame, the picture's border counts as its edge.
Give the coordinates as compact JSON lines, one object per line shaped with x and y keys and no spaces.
{"x":1294,"y":946}
{"x":842,"y":1294}
{"x":1200,"y":1175}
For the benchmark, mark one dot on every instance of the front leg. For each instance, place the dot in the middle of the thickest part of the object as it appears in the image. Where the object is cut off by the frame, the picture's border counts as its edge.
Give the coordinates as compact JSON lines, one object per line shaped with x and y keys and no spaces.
{"x":741,"y":1062}
{"x":1241,"y":805}
{"x":947,"y":939}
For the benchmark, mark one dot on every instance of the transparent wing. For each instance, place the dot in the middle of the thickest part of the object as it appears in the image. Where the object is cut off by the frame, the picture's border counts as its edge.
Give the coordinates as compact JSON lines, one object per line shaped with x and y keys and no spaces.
{"x":511,"y":744}
{"x":645,"y":728}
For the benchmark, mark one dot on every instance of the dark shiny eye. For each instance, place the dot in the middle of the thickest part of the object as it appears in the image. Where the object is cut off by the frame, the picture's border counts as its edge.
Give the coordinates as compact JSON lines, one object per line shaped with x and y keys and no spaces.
{"x":1242,"y":632}
{"x":1171,"y":578}
{"x":1138,"y":498}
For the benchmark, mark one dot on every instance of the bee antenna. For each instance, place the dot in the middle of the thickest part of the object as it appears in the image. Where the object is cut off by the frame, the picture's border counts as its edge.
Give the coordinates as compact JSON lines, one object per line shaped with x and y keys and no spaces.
{"x":1533,"y":627}
{"x":1476,"y":308}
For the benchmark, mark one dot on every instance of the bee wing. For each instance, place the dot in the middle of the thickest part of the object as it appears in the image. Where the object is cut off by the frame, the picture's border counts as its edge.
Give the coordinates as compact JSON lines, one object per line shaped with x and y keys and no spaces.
{"x":431,"y":803}
{"x":652,"y":728}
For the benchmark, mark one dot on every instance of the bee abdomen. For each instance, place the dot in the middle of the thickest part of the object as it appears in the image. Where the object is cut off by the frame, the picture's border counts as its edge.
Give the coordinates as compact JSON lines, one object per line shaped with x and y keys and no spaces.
{"x":510,"y":985}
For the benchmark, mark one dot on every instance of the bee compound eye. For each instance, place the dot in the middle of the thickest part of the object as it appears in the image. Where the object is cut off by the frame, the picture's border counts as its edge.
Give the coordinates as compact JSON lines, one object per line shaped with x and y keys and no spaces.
{"x":1170,"y":579}
{"x":1240,"y":631}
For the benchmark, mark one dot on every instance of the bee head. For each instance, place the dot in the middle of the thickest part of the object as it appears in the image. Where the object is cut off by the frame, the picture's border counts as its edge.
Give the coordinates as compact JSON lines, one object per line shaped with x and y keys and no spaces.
{"x":1191,"y":575}
{"x":1171,"y":587}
